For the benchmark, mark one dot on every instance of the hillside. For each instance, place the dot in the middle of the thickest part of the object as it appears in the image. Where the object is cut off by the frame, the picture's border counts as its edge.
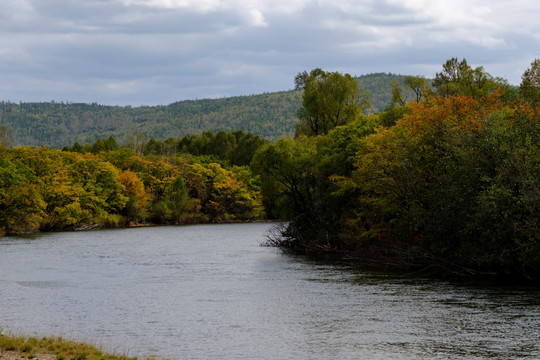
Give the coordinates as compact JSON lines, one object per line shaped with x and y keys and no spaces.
{"x":269,"y":115}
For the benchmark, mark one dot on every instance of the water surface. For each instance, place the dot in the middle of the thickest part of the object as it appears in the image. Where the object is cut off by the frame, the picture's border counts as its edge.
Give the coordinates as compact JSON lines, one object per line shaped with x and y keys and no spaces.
{"x":210,"y":291}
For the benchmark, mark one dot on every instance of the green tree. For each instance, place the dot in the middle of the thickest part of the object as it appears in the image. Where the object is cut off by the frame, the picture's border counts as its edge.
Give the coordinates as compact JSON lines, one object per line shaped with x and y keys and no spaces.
{"x":246,"y":146}
{"x":100,"y":182}
{"x":330,"y":99}
{"x":152,"y":147}
{"x":221,"y":145}
{"x":111,"y":144}
{"x":397,"y":94}
{"x":99,"y":146}
{"x":295,"y":187}
{"x":530,"y":83}
{"x":298,"y":183}
{"x":418,"y":85}
{"x":506,"y":222}
{"x":286,"y":168}
{"x":459,"y":78}
{"x":178,"y":198}
{"x":391,"y":114}
{"x":174,"y":206}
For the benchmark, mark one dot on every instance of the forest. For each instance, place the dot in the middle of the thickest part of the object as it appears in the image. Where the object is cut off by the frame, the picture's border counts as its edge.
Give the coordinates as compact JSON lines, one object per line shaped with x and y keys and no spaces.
{"x":269,"y":115}
{"x":50,"y":189}
{"x":445,"y":178}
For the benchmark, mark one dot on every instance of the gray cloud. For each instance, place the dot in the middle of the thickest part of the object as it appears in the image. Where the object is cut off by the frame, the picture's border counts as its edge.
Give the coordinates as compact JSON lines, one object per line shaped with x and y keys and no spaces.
{"x":160,"y":51}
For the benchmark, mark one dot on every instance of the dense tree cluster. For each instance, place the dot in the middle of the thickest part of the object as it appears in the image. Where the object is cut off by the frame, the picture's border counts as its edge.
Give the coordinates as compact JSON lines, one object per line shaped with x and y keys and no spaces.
{"x":449,"y":179}
{"x":45,"y":189}
{"x":330,"y":99}
{"x":233,"y":148}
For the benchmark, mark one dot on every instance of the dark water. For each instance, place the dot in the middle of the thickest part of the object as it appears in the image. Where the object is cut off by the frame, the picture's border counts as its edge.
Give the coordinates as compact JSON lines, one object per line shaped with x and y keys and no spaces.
{"x":211,"y":292}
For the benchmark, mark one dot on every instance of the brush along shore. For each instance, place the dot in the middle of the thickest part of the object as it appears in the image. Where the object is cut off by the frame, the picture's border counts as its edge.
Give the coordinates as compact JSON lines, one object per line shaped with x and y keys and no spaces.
{"x":52,"y":348}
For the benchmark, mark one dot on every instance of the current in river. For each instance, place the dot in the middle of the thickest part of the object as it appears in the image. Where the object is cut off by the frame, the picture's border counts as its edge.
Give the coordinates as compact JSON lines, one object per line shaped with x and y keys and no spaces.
{"x":212,"y":292}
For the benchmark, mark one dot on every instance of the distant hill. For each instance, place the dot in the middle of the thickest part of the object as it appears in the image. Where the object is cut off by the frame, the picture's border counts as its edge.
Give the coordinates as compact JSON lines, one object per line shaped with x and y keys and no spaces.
{"x":269,"y":115}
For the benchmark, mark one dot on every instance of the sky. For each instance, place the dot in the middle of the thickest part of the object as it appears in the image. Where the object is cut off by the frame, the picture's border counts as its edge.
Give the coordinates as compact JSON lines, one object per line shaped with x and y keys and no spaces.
{"x":155,"y":52}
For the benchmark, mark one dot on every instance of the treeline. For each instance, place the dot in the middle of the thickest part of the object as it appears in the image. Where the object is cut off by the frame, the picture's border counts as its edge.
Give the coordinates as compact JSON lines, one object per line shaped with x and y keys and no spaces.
{"x":447,"y":181}
{"x":234,"y":148}
{"x":46,"y":189}
{"x":269,"y":115}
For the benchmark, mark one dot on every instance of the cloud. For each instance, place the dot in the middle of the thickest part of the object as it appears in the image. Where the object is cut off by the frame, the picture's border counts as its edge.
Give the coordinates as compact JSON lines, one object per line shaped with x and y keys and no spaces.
{"x":160,"y":51}
{"x":198,"y":5}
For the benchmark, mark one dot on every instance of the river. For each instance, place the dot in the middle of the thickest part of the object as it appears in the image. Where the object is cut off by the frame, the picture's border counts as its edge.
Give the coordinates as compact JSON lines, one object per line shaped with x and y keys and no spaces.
{"x":212,"y":292}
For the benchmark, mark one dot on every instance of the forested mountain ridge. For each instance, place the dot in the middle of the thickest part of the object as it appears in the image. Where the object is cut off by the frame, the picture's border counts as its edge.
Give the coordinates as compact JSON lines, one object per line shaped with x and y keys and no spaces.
{"x":59,"y":124}
{"x":269,"y":115}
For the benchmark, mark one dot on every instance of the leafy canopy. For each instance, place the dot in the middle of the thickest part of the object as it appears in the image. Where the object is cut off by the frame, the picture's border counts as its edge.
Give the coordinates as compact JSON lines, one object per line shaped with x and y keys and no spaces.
{"x":330,"y":99}
{"x":458,"y":78}
{"x":530,"y":83}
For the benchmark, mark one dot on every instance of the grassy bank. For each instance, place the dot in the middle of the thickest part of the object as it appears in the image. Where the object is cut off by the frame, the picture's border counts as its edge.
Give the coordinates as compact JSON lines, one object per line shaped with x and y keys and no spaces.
{"x":52,"y":348}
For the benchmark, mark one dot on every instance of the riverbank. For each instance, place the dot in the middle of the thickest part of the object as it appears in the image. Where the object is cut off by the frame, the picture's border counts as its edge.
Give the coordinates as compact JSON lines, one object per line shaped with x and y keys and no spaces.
{"x":91,"y":227}
{"x":402,"y":259}
{"x":14,"y":347}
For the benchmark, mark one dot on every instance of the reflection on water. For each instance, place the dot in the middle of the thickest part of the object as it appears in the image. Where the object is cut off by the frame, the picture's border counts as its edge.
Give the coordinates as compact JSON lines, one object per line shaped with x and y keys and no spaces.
{"x":210,"y":291}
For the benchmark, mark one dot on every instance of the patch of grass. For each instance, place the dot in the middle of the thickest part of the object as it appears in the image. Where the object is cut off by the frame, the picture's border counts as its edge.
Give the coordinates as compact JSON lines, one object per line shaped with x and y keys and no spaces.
{"x":63,"y":349}
{"x":7,"y":345}
{"x":26,"y":348}
{"x":81,"y":356}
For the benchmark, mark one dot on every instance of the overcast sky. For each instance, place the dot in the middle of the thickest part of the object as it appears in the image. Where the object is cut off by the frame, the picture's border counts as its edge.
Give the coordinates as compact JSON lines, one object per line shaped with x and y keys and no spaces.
{"x":148,"y":52}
